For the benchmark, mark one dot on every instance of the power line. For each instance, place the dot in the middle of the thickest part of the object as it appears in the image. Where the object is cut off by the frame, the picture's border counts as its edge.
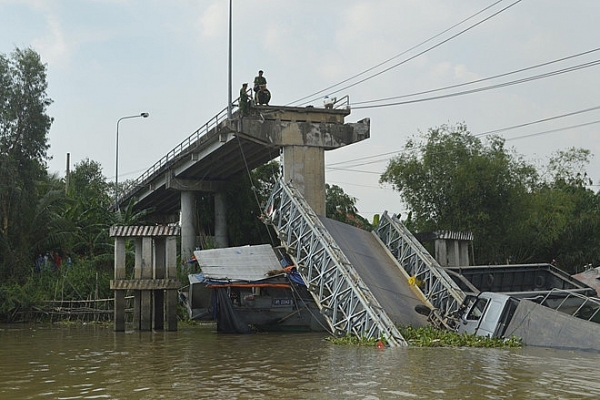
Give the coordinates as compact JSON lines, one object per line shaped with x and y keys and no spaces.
{"x":366,"y":158}
{"x":482,"y":89}
{"x":555,"y":130}
{"x":538,"y":121}
{"x":397,"y":55}
{"x":424,"y":51}
{"x":479,"y":80}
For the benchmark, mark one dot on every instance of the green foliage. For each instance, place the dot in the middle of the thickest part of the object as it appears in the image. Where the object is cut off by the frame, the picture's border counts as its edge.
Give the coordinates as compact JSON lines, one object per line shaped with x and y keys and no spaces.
{"x":342,"y":207}
{"x":430,"y":337}
{"x":24,"y":128}
{"x":15,"y":298}
{"x":451,"y":180}
{"x":80,"y":282}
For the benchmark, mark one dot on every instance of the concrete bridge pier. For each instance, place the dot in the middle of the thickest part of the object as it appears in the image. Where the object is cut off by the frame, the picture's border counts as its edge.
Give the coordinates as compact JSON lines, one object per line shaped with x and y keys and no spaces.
{"x":154,"y":284}
{"x":452,"y":248}
{"x":188,"y":225}
{"x":304,"y":167}
{"x":221,"y":237}
{"x":189,"y":230}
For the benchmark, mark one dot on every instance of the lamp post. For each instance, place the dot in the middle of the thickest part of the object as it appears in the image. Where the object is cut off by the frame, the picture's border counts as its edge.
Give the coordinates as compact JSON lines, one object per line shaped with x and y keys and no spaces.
{"x":142,"y":115}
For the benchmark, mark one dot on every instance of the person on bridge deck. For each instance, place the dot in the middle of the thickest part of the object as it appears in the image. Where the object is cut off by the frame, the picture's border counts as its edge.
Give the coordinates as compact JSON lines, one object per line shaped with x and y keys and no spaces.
{"x":244,"y":100}
{"x":259,"y":81}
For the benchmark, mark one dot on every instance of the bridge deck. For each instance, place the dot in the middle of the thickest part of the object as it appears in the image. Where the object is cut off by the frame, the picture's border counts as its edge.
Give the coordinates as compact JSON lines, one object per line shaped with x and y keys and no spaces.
{"x":379,"y":271}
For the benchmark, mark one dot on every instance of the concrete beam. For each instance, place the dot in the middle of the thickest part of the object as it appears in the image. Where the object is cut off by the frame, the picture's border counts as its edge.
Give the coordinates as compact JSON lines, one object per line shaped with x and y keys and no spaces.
{"x":193,"y":184}
{"x":326,"y":135}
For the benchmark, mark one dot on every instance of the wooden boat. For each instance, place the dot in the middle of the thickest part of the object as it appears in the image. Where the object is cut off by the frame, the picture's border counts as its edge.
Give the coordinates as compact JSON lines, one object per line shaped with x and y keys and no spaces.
{"x":247,"y":289}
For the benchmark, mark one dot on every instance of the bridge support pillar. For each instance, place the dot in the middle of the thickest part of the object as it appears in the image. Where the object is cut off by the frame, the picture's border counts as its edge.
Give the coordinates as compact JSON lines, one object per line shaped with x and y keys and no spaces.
{"x":155,"y":280}
{"x":452,"y":248}
{"x":304,"y":167}
{"x":220,"y":221}
{"x":188,"y":226}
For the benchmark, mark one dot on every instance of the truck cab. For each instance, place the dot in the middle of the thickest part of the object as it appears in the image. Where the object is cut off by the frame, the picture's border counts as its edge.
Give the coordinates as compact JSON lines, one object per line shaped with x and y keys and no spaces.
{"x":486,"y":314}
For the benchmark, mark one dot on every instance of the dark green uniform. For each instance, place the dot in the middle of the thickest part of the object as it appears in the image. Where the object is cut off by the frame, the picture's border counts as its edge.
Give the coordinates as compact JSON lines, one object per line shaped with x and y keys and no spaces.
{"x":244,"y":102}
{"x":259,"y":80}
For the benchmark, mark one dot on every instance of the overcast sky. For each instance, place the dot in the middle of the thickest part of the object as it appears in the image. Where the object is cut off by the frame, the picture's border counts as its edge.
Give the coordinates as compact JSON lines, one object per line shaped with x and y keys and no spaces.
{"x":107,"y":59}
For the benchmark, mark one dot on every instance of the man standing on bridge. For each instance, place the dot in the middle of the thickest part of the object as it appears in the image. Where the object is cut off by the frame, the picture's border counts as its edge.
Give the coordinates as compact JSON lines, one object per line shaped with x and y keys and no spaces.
{"x":259,"y":81}
{"x":244,"y":101}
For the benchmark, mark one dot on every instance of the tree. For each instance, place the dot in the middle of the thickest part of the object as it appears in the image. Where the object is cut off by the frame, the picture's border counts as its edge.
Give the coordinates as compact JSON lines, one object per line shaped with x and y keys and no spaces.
{"x":569,"y":231}
{"x":24,"y":127}
{"x":89,"y":212}
{"x":342,"y":207}
{"x":450,"y":180}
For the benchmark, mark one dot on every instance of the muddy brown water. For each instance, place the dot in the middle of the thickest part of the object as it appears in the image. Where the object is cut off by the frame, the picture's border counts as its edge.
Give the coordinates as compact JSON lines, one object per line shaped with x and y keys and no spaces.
{"x":93,"y":362}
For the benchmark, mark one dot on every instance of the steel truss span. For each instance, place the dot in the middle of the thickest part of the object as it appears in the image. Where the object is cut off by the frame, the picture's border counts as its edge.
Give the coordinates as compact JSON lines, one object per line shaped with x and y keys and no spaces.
{"x":345,"y":301}
{"x":428,"y":275}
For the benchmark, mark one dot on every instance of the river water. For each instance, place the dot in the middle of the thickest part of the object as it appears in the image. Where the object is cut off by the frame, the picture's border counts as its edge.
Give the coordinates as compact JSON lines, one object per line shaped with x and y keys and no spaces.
{"x":93,"y":362}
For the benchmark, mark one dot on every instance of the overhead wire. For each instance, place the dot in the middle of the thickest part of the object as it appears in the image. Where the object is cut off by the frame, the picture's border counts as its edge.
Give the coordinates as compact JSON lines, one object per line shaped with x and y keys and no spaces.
{"x":369,"y":159}
{"x":424,"y":51}
{"x":397,"y":55}
{"x":491,"y":87}
{"x":479,"y":80}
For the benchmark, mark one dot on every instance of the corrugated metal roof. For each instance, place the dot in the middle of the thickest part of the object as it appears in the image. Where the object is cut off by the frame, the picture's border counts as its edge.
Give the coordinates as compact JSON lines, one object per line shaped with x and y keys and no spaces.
{"x":137,"y":231}
{"x":246,"y":263}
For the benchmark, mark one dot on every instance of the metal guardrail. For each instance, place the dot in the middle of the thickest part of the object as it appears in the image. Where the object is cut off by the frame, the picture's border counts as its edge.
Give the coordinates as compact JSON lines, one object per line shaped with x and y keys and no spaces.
{"x":345,"y":301}
{"x":426,"y":273}
{"x":573,"y":303}
{"x":343,"y":102}
{"x":180,"y":148}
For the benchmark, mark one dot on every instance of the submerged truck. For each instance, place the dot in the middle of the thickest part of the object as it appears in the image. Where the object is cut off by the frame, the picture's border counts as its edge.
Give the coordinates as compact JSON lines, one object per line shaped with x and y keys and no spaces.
{"x":538,"y":303}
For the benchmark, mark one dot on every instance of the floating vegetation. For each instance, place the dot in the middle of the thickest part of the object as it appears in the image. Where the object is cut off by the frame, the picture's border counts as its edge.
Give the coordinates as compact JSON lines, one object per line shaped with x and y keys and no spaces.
{"x":430,"y":337}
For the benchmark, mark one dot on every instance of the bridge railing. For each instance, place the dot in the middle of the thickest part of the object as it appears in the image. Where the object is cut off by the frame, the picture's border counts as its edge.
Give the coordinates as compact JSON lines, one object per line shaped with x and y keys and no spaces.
{"x":427,"y":274}
{"x":345,"y":301}
{"x":181,"y":147}
{"x":343,"y":102}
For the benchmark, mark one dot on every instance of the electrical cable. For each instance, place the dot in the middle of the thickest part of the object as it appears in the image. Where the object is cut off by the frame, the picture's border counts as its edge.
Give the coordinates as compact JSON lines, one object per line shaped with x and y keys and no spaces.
{"x":397,"y":55}
{"x":478,"y":80}
{"x":422,"y":52}
{"x":477,"y":90}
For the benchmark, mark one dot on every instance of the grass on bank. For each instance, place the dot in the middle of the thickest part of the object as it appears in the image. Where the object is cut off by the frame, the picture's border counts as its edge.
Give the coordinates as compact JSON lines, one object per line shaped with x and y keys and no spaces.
{"x":430,"y":337}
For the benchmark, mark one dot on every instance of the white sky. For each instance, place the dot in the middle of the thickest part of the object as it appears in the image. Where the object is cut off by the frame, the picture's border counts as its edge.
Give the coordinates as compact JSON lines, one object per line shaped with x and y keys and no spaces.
{"x":112,"y":58}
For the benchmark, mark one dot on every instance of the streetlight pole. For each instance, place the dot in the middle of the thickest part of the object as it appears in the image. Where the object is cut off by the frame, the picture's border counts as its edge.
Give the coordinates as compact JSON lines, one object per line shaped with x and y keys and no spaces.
{"x":229,"y":96}
{"x":142,"y":115}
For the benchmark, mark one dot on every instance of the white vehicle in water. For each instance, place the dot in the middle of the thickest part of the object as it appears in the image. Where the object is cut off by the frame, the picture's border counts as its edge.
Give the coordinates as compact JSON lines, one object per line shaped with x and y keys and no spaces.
{"x":557,"y":318}
{"x":536,"y":303}
{"x":487,"y":314}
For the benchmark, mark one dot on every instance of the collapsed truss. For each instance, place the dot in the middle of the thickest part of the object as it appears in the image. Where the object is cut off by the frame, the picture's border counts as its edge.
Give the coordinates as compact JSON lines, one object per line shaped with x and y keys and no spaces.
{"x":435,"y":284}
{"x":346,"y":303}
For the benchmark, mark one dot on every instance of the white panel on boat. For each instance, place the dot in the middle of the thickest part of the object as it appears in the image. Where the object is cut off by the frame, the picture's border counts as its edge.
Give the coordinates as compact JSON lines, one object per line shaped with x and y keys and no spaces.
{"x":245,"y":263}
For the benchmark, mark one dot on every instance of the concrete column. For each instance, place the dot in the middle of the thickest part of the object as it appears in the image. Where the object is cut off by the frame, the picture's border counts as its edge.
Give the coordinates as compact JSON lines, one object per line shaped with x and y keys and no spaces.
{"x":441,"y":254}
{"x":137,"y":274}
{"x":171,"y":295}
{"x":220,"y":221}
{"x":188,"y":225}
{"x":464,"y":253}
{"x":159,"y":272}
{"x":119,"y":307}
{"x":453,"y":253}
{"x":146,"y":295}
{"x":304,"y":166}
